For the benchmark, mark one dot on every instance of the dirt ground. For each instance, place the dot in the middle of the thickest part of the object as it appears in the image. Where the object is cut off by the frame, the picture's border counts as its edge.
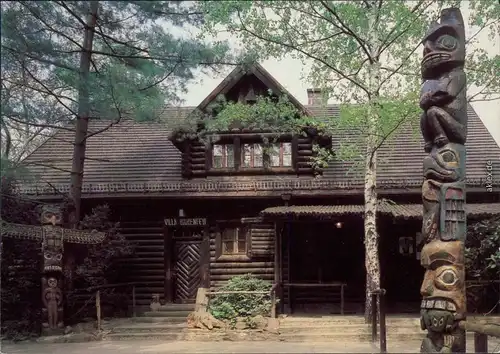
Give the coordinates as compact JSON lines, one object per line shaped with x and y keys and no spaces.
{"x":150,"y":347}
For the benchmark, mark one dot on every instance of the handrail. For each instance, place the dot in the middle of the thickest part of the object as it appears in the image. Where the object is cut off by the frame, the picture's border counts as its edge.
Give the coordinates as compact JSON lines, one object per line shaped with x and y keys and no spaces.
{"x":116,"y":285}
{"x":481,"y":333}
{"x":378,"y":298}
{"x":98,"y":289}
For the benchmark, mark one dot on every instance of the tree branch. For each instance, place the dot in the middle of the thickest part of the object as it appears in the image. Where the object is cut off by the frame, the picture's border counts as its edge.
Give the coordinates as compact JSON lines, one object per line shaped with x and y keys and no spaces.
{"x":40,"y":125}
{"x":480,"y":29}
{"x":386,"y":43}
{"x":387,"y":136}
{"x":51,"y":93}
{"x":349,"y":31}
{"x":310,"y":55}
{"x":403,"y":62}
{"x":110,"y":124}
{"x":41,"y":60}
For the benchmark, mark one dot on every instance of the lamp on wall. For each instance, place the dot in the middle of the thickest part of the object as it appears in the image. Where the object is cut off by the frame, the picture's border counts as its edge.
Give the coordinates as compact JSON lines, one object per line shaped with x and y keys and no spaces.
{"x":181,"y":213}
{"x":338,"y":225}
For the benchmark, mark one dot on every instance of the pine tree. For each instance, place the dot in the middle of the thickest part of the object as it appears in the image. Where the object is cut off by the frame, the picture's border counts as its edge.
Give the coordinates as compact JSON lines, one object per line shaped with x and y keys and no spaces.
{"x":67,"y":62}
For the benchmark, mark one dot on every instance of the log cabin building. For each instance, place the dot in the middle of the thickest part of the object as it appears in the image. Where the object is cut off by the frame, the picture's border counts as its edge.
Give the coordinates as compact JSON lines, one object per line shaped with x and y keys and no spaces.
{"x":200,"y":214}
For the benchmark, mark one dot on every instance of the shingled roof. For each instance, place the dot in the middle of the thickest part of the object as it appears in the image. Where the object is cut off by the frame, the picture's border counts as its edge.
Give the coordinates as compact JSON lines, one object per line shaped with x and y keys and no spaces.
{"x":131,"y":158}
{"x":399,"y":211}
{"x":135,"y":157}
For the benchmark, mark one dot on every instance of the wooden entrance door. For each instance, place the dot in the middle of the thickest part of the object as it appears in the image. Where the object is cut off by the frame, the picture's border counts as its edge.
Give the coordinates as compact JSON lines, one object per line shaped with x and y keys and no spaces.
{"x":187,"y":268}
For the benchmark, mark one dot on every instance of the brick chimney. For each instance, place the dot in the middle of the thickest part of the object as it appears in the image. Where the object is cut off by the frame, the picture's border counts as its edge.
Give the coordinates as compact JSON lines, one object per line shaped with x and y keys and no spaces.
{"x":315,"y":97}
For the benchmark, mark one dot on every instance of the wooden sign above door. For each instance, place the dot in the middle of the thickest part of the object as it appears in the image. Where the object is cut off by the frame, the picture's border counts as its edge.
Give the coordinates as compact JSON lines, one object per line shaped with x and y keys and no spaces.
{"x":186,"y":222}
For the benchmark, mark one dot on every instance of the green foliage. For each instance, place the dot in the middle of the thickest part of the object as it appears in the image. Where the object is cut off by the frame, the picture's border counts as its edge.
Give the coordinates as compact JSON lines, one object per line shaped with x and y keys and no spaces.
{"x":141,"y":59}
{"x":231,"y":306}
{"x":20,"y":270}
{"x":482,"y":260}
{"x":359,"y":52}
{"x":100,"y":265}
{"x":269,"y":114}
{"x":483,"y":249}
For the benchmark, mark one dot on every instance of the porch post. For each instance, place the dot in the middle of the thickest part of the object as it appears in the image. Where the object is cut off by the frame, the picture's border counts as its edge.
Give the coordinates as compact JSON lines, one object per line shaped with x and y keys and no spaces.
{"x":277,"y":260}
{"x":205,"y":258}
{"x":168,"y":254}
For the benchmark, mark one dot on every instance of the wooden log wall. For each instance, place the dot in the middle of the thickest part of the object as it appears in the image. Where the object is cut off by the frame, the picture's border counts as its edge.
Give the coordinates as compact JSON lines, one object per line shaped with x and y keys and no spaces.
{"x":262,"y":239}
{"x":303,"y":148}
{"x":147,"y":264}
{"x":194,"y":159}
{"x":260,"y":264}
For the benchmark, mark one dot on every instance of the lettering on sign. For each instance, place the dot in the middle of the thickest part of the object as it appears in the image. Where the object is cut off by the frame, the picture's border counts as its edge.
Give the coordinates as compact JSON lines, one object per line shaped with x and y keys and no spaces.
{"x":186,"y":222}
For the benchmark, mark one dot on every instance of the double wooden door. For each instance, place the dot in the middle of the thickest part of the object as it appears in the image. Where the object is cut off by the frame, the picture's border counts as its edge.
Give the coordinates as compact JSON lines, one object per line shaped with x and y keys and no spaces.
{"x":183,"y":256}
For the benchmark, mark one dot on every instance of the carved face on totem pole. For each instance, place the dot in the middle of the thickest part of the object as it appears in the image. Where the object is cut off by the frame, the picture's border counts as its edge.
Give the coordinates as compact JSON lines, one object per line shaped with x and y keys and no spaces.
{"x":446,"y":163}
{"x":51,"y":215}
{"x":444,"y":276}
{"x":52,"y":245}
{"x":444,"y":44}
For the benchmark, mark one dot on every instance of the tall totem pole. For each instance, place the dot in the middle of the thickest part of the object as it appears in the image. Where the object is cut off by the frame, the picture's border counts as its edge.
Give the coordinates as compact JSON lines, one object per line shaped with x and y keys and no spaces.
{"x":444,"y":128}
{"x":53,"y":237}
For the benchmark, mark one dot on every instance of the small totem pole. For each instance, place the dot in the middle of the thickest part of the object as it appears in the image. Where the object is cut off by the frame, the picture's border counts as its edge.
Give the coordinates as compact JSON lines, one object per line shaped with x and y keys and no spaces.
{"x":444,"y":129}
{"x":52,"y":236}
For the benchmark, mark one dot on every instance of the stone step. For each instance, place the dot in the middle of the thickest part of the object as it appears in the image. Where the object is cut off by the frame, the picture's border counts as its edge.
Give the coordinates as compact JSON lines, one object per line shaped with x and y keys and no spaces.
{"x":345,"y":329}
{"x":175,"y":307}
{"x":166,"y":314}
{"x":362,"y":337}
{"x":159,"y":319}
{"x":345,"y":319}
{"x":289,"y":324}
{"x":150,"y":327}
{"x":163,"y":336}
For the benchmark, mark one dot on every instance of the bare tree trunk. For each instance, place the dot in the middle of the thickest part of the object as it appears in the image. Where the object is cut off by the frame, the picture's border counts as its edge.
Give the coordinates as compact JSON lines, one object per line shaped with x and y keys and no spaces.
{"x":82,"y":120}
{"x":372,"y":261}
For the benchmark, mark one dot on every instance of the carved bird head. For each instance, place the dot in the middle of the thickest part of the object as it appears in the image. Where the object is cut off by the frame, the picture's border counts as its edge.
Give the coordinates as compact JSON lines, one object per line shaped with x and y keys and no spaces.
{"x":444,"y":44}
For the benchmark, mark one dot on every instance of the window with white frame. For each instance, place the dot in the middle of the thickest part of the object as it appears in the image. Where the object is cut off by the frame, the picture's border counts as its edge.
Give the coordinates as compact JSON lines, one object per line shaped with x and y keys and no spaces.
{"x":223,"y":156}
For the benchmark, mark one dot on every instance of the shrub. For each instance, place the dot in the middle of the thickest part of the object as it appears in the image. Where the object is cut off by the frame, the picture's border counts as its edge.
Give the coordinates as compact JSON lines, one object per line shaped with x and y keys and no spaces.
{"x":100,"y":265}
{"x":20,"y":269}
{"x":482,"y":261}
{"x":231,"y":306}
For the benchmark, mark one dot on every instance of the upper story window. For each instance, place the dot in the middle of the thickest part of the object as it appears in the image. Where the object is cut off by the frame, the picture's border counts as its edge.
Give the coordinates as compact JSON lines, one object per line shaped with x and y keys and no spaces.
{"x":223,"y":156}
{"x":280,"y":155}
{"x":237,"y":155}
{"x":252,"y":155}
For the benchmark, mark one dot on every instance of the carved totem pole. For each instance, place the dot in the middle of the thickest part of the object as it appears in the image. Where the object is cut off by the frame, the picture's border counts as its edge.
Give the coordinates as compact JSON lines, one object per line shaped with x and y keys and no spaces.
{"x":52,"y":236}
{"x":444,"y":128}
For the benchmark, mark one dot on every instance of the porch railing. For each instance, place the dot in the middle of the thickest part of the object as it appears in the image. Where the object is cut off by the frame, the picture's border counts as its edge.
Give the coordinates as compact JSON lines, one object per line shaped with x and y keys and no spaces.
{"x":97,"y":289}
{"x":481,"y":333}
{"x":378,"y":297}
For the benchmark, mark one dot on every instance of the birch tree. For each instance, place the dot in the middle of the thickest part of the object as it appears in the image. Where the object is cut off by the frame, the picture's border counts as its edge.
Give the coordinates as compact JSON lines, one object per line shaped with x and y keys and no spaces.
{"x":69,"y":62}
{"x":365,"y":55}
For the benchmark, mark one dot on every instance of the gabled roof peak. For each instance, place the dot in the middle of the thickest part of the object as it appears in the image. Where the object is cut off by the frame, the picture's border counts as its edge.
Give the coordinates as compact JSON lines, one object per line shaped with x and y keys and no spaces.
{"x":262,"y":74}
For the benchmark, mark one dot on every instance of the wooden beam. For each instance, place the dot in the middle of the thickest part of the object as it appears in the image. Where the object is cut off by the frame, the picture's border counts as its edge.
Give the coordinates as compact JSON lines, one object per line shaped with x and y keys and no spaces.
{"x":489,"y":329}
{"x":253,"y":220}
{"x":277,"y":259}
{"x":168,"y":244}
{"x":205,"y":258}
